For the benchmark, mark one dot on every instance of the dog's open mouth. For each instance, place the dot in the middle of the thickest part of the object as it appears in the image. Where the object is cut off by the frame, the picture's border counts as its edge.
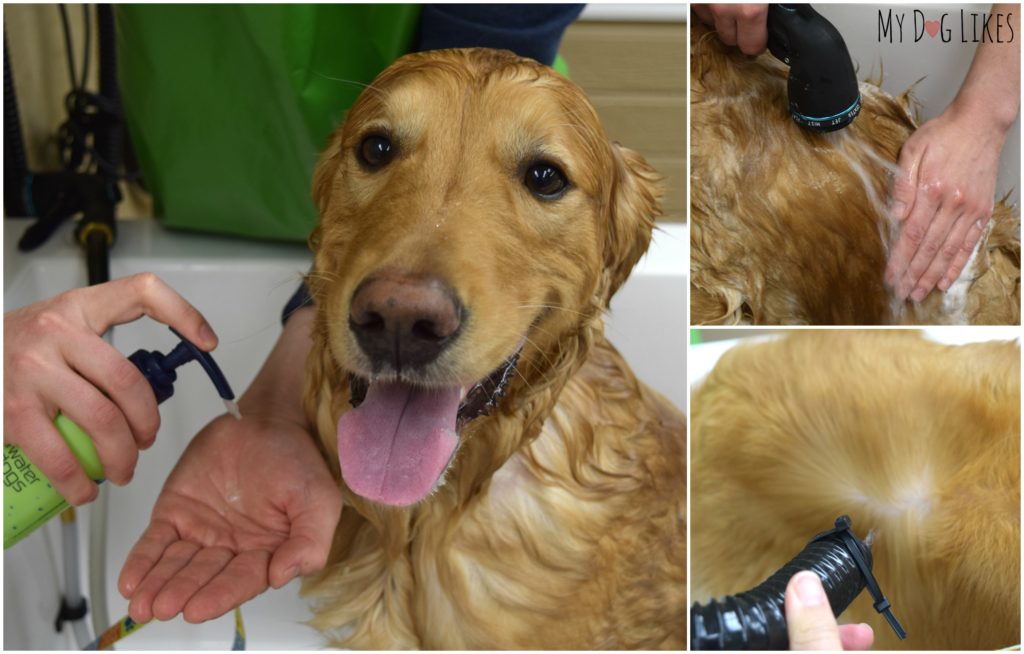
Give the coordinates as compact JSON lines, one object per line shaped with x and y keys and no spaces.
{"x":398,"y":439}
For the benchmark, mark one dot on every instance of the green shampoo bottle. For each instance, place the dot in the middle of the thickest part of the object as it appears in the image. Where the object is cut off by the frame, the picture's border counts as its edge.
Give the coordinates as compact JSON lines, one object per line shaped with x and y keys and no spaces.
{"x":29,"y":498}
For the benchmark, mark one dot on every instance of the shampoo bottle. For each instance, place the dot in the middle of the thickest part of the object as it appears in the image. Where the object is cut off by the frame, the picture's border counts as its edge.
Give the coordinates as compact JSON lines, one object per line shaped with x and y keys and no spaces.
{"x":30,"y":499}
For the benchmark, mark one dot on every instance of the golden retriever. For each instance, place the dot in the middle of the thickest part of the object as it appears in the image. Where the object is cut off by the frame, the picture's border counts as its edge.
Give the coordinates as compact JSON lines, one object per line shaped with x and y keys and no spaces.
{"x":508,"y":482}
{"x":790,"y":227}
{"x":917,"y":441}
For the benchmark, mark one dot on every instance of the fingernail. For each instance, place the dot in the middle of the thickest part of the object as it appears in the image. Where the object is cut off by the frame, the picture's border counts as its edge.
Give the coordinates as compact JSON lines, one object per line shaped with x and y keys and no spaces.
{"x":809,"y":590}
{"x":292,"y":573}
{"x":207,"y":335}
{"x":918,"y":294}
{"x":944,"y":284}
{"x":898,"y":208}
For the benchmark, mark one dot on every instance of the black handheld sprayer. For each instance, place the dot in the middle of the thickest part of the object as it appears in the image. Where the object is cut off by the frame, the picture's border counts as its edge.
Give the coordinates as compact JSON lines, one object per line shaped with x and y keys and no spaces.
{"x":756,"y":619}
{"x":823,"y":92}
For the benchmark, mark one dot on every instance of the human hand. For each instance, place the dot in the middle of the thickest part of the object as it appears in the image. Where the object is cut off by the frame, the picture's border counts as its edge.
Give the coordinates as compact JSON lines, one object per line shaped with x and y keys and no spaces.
{"x":55,"y":360}
{"x":745,"y":25}
{"x":251,"y":503}
{"x":943,"y":193}
{"x":810,"y":621}
{"x":942,"y":197}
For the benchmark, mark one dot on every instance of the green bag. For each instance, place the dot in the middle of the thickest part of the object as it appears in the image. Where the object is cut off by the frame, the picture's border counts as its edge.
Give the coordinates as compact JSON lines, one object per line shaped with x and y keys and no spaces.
{"x":229,"y":106}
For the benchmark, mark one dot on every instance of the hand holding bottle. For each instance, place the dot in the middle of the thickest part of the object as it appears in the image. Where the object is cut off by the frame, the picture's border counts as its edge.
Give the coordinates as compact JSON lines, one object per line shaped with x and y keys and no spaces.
{"x":55,"y":360}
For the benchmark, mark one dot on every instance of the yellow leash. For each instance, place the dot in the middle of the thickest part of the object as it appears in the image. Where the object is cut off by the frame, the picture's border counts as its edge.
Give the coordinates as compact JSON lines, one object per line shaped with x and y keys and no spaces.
{"x":127,"y":626}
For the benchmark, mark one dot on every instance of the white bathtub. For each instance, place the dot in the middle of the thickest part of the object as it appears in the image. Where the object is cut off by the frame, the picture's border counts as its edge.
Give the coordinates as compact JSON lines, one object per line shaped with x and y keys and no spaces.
{"x":241,"y":287}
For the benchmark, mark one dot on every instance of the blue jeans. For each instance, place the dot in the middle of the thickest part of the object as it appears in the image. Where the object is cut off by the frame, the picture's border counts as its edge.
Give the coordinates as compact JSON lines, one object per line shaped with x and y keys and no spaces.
{"x":529,"y":30}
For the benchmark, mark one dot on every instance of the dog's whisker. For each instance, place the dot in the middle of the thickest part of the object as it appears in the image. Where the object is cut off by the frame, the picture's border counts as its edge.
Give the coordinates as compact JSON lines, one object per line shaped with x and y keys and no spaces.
{"x":325,"y":277}
{"x":324,"y":273}
{"x":351,"y":82}
{"x":541,"y":330}
{"x":290,"y":280}
{"x":551,"y":306}
{"x":526,"y":381}
{"x":540,"y":351}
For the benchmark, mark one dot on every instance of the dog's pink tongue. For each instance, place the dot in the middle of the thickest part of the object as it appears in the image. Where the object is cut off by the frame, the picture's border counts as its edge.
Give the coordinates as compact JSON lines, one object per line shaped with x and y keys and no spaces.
{"x":394,"y":446}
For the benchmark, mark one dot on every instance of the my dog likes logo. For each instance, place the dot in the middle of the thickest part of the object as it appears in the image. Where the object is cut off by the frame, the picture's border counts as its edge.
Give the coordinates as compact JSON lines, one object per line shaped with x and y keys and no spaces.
{"x":972,"y":27}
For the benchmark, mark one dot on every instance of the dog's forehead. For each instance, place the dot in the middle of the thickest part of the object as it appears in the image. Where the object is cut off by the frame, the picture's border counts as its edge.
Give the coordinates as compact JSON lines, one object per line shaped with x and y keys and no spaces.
{"x":520,"y":112}
{"x":461,"y":94}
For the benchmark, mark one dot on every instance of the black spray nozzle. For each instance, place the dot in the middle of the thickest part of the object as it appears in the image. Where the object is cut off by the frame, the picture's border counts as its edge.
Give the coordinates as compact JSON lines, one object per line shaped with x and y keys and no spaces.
{"x":158,"y":368}
{"x":756,"y":619}
{"x":823,"y":92}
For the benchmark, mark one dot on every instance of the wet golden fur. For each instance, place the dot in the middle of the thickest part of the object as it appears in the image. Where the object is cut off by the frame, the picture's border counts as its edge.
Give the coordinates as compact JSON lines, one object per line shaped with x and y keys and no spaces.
{"x":916,"y":440}
{"x":561,"y":523}
{"x":783,"y":230}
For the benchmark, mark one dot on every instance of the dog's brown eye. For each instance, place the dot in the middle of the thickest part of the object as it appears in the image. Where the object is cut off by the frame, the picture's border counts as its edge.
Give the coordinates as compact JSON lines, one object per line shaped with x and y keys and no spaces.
{"x":546,"y":181}
{"x":376,"y":151}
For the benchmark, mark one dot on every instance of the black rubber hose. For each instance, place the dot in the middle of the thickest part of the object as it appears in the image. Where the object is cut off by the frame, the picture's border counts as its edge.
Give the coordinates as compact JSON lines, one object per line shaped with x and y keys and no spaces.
{"x":756,"y":619}
{"x":15,"y":160}
{"x":97,"y":257}
{"x":98,"y":230}
{"x":109,"y":139}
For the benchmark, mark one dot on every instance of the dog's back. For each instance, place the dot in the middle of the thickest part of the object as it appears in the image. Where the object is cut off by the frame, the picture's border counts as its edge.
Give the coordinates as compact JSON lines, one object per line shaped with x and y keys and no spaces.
{"x":790,"y":227}
{"x":917,"y":441}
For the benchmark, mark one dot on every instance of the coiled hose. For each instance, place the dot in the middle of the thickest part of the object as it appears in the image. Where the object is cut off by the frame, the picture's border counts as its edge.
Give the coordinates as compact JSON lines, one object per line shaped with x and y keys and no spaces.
{"x":15,"y":159}
{"x":110,"y":140}
{"x":756,"y":619}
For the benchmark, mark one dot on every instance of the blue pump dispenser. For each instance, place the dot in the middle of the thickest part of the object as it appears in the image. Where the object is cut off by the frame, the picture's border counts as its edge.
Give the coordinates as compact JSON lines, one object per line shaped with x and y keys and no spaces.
{"x":159,"y":369}
{"x":30,"y":499}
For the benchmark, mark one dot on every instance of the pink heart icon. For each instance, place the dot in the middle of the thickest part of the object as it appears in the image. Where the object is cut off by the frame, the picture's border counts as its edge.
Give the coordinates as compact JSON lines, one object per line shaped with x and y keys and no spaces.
{"x":932,"y":27}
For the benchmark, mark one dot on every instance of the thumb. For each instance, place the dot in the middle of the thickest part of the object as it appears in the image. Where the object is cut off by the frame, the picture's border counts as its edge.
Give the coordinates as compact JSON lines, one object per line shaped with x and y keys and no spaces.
{"x":904,"y":185}
{"x":308,"y":544}
{"x":808,"y":615}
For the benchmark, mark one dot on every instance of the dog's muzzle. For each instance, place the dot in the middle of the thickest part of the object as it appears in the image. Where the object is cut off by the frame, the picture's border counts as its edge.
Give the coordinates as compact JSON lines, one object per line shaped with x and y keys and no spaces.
{"x":480,"y":400}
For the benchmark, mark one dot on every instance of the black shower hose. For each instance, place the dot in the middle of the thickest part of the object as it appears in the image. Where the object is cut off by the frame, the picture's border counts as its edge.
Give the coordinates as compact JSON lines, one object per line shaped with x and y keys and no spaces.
{"x":756,"y":619}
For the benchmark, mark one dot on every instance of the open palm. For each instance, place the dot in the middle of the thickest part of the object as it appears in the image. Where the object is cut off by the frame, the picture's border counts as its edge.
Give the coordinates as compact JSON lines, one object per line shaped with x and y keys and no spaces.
{"x":251,"y":504}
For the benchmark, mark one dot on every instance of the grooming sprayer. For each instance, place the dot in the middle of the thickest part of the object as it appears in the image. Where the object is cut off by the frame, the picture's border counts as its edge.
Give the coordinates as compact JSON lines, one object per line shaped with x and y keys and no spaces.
{"x":30,"y":499}
{"x":823,"y":92}
{"x":756,"y":619}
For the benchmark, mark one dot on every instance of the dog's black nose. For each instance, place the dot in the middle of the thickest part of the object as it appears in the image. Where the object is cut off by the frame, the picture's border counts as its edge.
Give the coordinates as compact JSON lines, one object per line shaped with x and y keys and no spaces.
{"x":404,"y":320}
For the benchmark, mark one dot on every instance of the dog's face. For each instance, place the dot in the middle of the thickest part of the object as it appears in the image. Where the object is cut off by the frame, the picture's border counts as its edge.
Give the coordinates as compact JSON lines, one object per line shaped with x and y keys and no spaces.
{"x":472,"y":210}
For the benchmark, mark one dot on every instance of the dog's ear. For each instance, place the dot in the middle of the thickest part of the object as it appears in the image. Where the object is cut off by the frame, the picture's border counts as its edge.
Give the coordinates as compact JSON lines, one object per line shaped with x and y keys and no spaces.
{"x":634,"y":204}
{"x":323,"y":180}
{"x":323,"y":174}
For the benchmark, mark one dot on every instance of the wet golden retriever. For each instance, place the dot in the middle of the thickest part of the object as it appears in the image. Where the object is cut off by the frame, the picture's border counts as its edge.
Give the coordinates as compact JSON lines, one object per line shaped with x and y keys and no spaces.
{"x":917,"y":441}
{"x":790,"y":227}
{"x":508,"y":482}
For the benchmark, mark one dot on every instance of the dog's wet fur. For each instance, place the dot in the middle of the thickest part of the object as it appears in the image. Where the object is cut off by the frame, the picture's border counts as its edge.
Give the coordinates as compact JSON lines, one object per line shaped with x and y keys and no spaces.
{"x":915,"y":441}
{"x":560,"y":520}
{"x":784,"y":230}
